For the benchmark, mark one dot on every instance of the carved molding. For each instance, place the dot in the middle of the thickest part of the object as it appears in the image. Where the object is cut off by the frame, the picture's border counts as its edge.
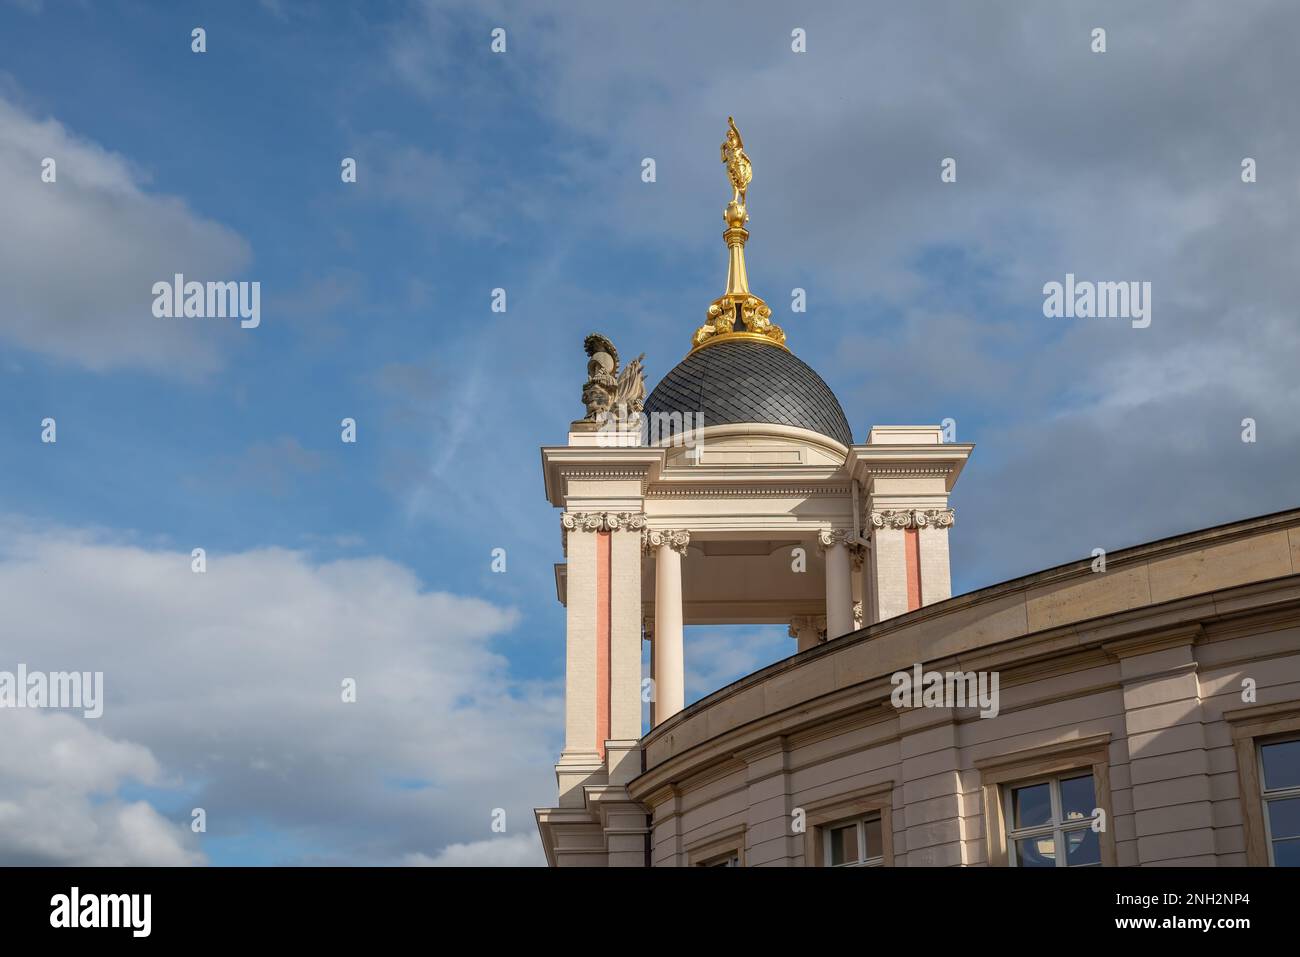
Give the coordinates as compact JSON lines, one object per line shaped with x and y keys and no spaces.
{"x":598,"y":522}
{"x":803,"y":622}
{"x":747,"y":491}
{"x":602,"y":521}
{"x":913,"y":518}
{"x":830,"y":537}
{"x":677,"y":540}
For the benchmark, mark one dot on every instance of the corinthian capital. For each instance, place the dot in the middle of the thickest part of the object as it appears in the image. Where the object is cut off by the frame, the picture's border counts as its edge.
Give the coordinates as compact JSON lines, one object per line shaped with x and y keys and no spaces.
{"x":652,"y":538}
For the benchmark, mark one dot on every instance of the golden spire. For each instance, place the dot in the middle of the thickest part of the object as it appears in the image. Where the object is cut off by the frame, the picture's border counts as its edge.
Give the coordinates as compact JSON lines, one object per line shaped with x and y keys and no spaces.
{"x":737,"y":313}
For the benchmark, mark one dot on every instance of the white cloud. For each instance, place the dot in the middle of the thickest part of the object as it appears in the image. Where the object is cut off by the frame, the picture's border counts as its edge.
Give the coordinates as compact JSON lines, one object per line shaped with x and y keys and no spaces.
{"x":79,"y":257}
{"x":58,"y":778}
{"x":515,"y":850}
{"x":228,"y":684}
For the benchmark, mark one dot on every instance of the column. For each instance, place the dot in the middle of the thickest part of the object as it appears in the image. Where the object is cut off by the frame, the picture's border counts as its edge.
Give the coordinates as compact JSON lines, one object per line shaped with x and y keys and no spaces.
{"x":669,"y":658}
{"x":839,"y":588}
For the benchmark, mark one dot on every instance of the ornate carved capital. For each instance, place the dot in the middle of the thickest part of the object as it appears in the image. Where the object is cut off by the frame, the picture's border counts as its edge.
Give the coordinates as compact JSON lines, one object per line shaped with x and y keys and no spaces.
{"x":598,"y":522}
{"x":935,"y":518}
{"x":913,"y":518}
{"x":892,"y":518}
{"x":677,"y":540}
{"x":628,"y":521}
{"x":799,"y":623}
{"x":830,"y":537}
{"x":857,"y":614}
{"x":602,"y":521}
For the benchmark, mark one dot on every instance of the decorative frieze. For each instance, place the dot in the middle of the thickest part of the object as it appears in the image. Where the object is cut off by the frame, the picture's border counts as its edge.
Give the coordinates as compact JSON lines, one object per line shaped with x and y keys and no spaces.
{"x":677,"y":540}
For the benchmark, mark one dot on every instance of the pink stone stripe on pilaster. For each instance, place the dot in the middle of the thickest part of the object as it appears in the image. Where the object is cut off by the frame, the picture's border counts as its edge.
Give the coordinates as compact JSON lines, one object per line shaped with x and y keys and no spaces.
{"x":602,"y":640}
{"x":912,"y":549}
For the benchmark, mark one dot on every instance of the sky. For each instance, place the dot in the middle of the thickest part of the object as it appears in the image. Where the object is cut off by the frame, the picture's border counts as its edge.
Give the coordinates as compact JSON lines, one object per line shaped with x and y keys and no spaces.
{"x":522,"y":170}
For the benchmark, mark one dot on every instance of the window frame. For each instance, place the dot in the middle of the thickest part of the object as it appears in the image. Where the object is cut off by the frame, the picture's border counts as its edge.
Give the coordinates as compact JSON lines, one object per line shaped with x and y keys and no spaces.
{"x":1064,"y":759}
{"x":820,"y":816}
{"x":859,"y":825}
{"x":1057,"y":827}
{"x":1275,"y":794}
{"x":1253,"y":727}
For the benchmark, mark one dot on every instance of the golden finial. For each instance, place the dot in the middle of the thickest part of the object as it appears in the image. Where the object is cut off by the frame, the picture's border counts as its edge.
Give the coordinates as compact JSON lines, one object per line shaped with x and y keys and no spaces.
{"x":737,"y":313}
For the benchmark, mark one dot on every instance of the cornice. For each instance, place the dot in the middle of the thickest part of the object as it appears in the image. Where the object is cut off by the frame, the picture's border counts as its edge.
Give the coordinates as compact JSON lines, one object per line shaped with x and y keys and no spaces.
{"x":865,"y":462}
{"x":562,"y":463}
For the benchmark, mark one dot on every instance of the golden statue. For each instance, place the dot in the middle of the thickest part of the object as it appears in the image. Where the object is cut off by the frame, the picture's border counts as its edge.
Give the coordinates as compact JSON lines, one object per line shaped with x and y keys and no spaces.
{"x":737,"y":313}
{"x":739,"y":170}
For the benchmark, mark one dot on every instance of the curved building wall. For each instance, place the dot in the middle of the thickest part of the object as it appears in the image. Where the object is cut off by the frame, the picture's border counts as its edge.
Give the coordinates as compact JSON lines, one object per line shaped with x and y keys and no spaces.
{"x":1140,"y":676}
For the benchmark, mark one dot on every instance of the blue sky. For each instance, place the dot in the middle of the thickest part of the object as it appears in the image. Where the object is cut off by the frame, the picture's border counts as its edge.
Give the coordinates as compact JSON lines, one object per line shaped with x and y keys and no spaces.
{"x":522,"y":171}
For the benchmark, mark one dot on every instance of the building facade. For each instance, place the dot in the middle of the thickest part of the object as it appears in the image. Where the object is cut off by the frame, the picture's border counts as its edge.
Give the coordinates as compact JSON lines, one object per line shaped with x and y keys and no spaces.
{"x":1136,"y":708}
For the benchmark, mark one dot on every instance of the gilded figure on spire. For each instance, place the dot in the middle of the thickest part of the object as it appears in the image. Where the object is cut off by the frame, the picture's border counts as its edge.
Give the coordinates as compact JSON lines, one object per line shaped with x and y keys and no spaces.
{"x":739,"y":170}
{"x":737,"y":313}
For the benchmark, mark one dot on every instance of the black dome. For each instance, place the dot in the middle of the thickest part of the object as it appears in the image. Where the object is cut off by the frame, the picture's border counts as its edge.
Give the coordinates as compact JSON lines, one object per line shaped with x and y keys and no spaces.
{"x":737,"y":381}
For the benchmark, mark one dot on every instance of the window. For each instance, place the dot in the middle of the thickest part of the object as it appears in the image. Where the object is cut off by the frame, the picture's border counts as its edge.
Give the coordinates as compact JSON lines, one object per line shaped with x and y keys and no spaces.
{"x":1280,"y":773}
{"x":1266,"y":738}
{"x":850,"y":830}
{"x":857,"y":843}
{"x":1049,"y":823}
{"x":1039,"y":805}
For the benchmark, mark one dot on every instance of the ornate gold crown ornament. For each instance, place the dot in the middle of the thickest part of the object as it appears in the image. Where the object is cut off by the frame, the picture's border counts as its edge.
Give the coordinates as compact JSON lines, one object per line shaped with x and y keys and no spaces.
{"x":737,"y":313}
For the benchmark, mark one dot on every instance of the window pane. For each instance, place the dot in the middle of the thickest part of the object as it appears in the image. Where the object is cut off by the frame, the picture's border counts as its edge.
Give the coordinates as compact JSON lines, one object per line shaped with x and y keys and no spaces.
{"x":1284,"y":818}
{"x":1036,"y":852}
{"x":1082,"y":848}
{"x":844,"y":844}
{"x":875,"y":847}
{"x":1032,"y":805}
{"x":1281,"y":765}
{"x":1286,"y":853}
{"x":1078,"y":799}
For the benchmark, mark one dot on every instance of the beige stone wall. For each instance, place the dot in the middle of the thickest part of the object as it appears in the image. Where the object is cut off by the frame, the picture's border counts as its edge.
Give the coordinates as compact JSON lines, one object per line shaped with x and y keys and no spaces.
{"x":1141,"y":668}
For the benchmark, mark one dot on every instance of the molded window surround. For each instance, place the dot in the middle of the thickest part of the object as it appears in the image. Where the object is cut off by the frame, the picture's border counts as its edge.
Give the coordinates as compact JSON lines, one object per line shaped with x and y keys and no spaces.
{"x":999,"y":773}
{"x":845,"y":809}
{"x":713,"y":851}
{"x":1251,"y":728}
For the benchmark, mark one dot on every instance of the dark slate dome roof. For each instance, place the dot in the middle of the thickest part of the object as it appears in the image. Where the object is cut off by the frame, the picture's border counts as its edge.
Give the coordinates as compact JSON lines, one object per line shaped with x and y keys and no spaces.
{"x":737,"y":381}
